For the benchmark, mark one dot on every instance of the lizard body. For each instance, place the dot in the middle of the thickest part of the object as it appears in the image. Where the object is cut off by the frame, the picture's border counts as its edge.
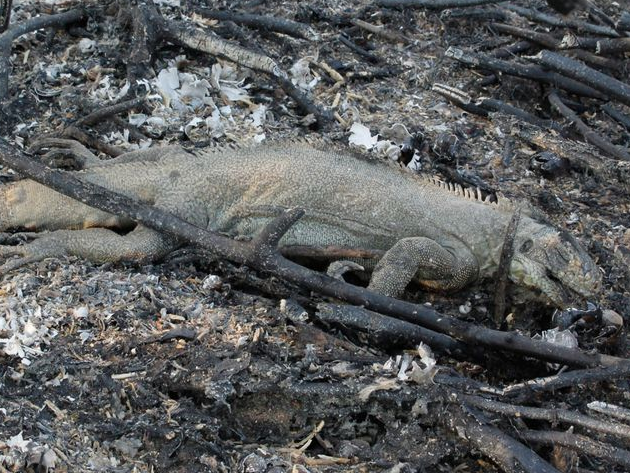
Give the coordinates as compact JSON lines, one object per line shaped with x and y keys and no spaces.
{"x":444,"y":236}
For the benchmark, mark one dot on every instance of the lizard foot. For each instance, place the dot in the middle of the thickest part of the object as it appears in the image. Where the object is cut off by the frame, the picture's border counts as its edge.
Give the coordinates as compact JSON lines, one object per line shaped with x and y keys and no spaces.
{"x":44,"y":245}
{"x":62,"y":153}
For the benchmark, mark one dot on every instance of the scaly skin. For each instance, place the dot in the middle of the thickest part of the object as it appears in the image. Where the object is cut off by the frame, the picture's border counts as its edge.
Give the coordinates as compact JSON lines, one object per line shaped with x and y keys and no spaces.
{"x":444,"y":238}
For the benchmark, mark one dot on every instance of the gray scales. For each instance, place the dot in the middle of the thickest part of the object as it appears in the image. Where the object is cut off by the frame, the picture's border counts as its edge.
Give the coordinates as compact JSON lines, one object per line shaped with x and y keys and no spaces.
{"x":440,"y":235}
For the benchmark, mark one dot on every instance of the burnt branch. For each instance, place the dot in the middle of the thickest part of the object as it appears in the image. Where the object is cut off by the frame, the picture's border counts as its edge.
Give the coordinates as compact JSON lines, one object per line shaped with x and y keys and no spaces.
{"x":495,"y":105}
{"x":388,"y":332}
{"x":553,"y":20}
{"x":580,"y":72}
{"x":504,"y":450}
{"x":554,"y":415}
{"x":567,"y":379}
{"x":263,"y":22}
{"x":60,"y":20}
{"x":5,"y":14}
{"x":433,"y":4}
{"x":274,"y":263}
{"x":544,"y":39}
{"x":109,"y":111}
{"x":613,"y":46}
{"x":580,"y":444}
{"x":621,"y":118}
{"x":501,"y":281}
{"x":588,"y":134}
{"x":526,"y":71}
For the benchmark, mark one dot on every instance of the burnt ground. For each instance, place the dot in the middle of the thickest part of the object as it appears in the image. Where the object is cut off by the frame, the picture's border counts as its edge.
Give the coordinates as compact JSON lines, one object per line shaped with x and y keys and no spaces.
{"x":191,"y":364}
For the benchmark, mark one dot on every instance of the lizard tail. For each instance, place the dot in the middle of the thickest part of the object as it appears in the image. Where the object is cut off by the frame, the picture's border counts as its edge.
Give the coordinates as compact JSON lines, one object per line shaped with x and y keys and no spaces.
{"x":28,"y":205}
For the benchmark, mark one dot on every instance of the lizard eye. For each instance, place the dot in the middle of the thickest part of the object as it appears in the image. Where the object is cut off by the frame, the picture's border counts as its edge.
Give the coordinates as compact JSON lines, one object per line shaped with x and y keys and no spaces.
{"x":526,"y":246}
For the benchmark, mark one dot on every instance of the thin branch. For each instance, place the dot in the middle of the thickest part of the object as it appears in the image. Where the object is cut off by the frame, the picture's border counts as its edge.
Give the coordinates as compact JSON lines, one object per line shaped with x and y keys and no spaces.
{"x":503,"y":270}
{"x":552,"y":415}
{"x":580,"y":444}
{"x":565,"y":22}
{"x":511,"y":455}
{"x":262,"y":22}
{"x":5,"y":14}
{"x":380,"y":30}
{"x":613,"y":46}
{"x":495,"y":105}
{"x":610,"y":410}
{"x":433,"y":4}
{"x":544,"y":39}
{"x":274,"y":263}
{"x":588,"y":134}
{"x":623,"y":119}
{"x":581,"y":72}
{"x":567,"y":379}
{"x":59,"y":20}
{"x":108,"y":111}
{"x":527,"y":71}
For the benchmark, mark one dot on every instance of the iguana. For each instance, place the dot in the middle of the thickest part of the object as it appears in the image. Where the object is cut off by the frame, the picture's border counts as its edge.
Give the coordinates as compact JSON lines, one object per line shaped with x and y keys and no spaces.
{"x":443,"y":236}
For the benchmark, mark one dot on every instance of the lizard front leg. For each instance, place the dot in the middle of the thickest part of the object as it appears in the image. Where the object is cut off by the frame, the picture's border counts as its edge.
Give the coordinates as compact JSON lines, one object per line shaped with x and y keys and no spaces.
{"x":434,"y":265}
{"x":99,"y":245}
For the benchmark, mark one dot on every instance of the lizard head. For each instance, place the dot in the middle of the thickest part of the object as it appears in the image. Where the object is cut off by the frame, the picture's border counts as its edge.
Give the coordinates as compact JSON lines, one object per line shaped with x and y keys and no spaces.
{"x":554,"y":263}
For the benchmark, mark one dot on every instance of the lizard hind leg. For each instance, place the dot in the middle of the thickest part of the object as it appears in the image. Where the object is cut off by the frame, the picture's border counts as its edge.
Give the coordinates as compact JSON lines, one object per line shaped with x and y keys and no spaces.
{"x":98,"y":245}
{"x":426,"y":260}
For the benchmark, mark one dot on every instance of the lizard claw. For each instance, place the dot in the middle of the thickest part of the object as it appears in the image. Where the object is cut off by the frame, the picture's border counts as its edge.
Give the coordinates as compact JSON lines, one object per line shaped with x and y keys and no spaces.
{"x":337,"y":269}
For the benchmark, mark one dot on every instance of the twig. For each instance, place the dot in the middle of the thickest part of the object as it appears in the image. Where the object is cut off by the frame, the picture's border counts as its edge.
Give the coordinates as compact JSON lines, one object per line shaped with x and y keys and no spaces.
{"x":613,"y":46}
{"x":459,"y":98}
{"x":588,"y":134}
{"x":5,"y":14}
{"x":582,"y":156}
{"x":486,"y":14}
{"x":571,"y":41}
{"x":6,"y":39}
{"x":512,"y":50}
{"x":358,"y":49}
{"x":511,"y":455}
{"x":611,"y":410}
{"x":433,"y":4}
{"x":503,"y":270}
{"x":623,"y":119}
{"x":263,"y":258}
{"x":495,"y":105}
{"x":107,"y":111}
{"x":578,"y":71}
{"x":544,"y":39}
{"x":268,"y":23}
{"x":579,"y":443}
{"x":567,"y":379}
{"x":623,"y":23}
{"x":207,"y":42}
{"x":380,"y":30}
{"x":554,"y":20}
{"x":552,"y":415}
{"x":595,"y":60}
{"x":528,"y":71}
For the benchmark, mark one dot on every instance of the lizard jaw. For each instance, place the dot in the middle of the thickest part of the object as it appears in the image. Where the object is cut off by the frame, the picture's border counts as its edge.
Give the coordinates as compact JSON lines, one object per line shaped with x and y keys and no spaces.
{"x":534,"y":276}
